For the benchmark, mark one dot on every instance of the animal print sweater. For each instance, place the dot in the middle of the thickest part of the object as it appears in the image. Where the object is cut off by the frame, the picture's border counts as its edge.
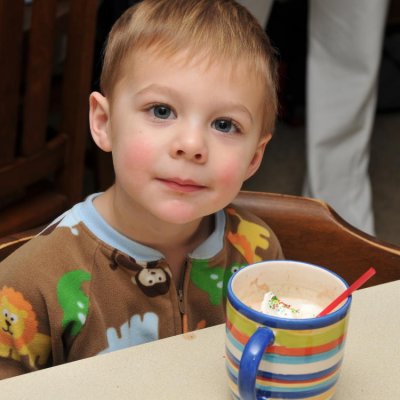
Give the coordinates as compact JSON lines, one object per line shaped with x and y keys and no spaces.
{"x":80,"y":288}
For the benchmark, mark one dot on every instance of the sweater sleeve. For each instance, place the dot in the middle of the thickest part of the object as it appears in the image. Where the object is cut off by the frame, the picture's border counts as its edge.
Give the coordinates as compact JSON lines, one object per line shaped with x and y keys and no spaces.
{"x":30,"y":329}
{"x":25,"y":343}
{"x":252,"y":237}
{"x":10,"y":368}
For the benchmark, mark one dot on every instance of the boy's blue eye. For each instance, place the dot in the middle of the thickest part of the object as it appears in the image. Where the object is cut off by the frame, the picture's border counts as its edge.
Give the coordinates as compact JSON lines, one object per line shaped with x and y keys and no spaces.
{"x":225,"y":125}
{"x":162,"y":112}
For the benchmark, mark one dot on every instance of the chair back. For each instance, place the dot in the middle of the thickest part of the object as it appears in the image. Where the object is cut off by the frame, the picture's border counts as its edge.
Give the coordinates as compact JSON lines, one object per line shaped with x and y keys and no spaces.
{"x":46,"y":51}
{"x":10,"y":243}
{"x":309,"y":230}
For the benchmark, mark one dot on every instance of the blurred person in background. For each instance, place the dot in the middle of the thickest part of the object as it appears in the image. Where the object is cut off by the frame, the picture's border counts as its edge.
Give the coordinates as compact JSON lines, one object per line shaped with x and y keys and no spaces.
{"x":344,"y":51}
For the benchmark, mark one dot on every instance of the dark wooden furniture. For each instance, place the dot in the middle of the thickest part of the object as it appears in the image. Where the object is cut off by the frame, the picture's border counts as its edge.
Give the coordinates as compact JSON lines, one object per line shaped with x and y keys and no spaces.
{"x":309,"y":230}
{"x":46,"y":52}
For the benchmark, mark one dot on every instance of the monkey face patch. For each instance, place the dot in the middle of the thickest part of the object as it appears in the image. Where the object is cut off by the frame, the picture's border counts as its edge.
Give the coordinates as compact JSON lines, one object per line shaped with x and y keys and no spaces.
{"x":152,"y":278}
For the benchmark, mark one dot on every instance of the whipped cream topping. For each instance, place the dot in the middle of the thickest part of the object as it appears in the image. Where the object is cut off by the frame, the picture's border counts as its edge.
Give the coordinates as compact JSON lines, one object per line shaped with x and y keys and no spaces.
{"x":288,"y":307}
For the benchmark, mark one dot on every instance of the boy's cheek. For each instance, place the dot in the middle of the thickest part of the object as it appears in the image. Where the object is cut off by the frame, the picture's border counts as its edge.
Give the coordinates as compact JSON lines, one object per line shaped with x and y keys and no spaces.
{"x":231,"y":175}
{"x":136,"y":155}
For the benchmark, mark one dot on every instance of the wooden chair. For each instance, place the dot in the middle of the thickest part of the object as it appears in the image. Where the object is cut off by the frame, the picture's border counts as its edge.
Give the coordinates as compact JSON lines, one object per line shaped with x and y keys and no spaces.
{"x":309,"y":230}
{"x":46,"y":63}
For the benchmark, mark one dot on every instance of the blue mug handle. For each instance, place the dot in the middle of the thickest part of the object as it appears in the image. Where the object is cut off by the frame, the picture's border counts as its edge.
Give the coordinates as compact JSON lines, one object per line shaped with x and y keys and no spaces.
{"x":250,"y":361}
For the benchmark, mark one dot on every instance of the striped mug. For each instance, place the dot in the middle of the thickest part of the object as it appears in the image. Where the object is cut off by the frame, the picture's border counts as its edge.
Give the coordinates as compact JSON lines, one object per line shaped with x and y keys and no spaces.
{"x":275,"y":357}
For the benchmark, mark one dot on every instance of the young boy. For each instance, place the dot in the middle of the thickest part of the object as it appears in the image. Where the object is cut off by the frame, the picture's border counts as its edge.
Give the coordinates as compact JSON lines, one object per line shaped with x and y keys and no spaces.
{"x":187,"y":107}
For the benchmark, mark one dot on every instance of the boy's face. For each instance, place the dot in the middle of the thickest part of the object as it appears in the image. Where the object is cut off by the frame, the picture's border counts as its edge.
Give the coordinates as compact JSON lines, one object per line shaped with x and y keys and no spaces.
{"x":184,"y":137}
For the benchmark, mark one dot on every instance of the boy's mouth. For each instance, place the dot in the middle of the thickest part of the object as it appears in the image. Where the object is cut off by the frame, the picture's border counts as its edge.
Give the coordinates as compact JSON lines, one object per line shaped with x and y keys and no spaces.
{"x":182,"y":185}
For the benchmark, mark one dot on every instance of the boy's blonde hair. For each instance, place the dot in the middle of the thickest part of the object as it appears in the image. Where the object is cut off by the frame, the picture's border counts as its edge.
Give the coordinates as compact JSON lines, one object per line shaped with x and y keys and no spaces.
{"x":219,"y":30}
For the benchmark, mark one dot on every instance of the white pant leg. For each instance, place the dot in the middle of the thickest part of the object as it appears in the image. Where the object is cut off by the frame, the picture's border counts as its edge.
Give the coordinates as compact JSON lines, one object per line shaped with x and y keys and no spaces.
{"x":345,"y":41}
{"x":261,"y":9}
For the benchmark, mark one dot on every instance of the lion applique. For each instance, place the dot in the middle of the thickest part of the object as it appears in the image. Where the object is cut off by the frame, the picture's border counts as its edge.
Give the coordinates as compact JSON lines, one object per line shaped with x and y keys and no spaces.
{"x":19,"y":334}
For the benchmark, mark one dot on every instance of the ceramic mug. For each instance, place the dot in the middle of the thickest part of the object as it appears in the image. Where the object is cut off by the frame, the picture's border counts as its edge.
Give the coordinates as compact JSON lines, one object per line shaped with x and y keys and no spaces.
{"x":270,"y":357}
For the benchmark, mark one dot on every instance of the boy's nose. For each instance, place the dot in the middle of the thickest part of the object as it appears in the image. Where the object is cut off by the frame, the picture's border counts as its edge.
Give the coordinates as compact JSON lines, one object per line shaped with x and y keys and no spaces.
{"x":191,"y":146}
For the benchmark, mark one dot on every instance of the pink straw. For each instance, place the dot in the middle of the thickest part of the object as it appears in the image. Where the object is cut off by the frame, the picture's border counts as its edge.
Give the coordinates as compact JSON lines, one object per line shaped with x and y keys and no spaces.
{"x":359,"y":282}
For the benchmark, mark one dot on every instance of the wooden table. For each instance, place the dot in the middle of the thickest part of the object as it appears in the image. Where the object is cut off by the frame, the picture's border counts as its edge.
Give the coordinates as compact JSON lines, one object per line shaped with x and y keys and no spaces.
{"x":192,"y":366}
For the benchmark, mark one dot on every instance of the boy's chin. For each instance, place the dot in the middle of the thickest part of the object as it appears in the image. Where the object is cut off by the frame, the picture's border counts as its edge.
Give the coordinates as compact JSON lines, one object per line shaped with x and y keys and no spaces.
{"x":181,"y":215}
{"x":179,"y":218}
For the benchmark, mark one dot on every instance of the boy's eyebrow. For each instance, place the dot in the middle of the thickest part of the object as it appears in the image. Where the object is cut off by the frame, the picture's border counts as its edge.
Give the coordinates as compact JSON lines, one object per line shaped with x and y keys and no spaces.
{"x":154,"y":87}
{"x":240,"y":108}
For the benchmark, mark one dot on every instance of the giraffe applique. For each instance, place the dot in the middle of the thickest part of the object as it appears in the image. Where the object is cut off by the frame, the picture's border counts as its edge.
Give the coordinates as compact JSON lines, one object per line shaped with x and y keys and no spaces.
{"x":248,"y":237}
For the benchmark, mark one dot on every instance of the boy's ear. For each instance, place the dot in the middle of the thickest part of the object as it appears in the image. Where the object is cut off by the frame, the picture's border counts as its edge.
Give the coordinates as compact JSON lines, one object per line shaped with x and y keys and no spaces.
{"x":99,"y":116}
{"x":258,"y":155}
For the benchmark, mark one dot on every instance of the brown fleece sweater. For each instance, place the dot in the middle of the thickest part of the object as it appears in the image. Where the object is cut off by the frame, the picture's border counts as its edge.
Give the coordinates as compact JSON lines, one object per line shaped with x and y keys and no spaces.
{"x":81,"y":288}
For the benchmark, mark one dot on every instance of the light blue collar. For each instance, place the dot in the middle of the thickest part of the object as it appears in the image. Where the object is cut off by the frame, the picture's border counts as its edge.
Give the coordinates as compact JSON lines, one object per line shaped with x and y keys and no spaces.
{"x":86,"y":212}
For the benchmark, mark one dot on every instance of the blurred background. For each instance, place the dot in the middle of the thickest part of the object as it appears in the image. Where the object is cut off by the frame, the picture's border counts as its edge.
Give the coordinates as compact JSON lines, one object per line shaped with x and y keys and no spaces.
{"x":284,"y":165}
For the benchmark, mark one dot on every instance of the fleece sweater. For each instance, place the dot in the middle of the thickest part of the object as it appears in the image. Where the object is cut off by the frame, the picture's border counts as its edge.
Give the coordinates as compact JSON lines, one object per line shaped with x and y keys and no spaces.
{"x":80,"y":288}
